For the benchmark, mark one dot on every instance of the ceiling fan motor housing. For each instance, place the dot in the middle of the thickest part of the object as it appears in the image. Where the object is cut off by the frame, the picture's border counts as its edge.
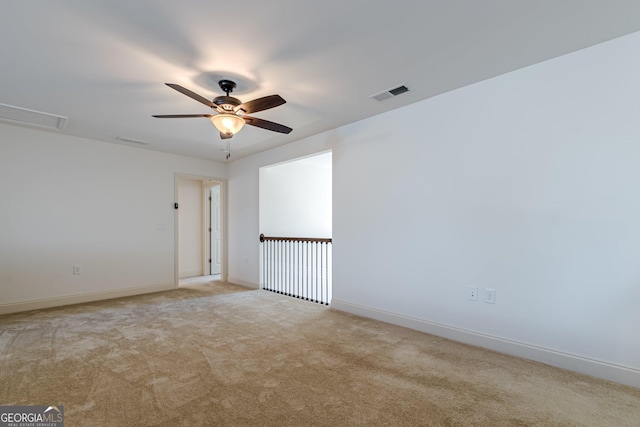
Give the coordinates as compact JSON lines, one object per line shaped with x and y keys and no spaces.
{"x":226,"y":103}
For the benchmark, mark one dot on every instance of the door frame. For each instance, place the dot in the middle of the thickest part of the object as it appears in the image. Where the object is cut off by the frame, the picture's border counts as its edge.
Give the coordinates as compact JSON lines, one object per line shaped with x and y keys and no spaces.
{"x":207,"y":226}
{"x":205,"y":180}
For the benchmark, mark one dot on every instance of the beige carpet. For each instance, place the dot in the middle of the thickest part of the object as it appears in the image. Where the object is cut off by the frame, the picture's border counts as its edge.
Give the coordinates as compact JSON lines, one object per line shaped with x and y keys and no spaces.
{"x":219,"y":354}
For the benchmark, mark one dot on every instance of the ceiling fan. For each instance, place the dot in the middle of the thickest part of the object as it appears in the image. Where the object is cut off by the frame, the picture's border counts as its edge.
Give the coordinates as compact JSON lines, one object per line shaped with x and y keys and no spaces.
{"x":230,"y":113}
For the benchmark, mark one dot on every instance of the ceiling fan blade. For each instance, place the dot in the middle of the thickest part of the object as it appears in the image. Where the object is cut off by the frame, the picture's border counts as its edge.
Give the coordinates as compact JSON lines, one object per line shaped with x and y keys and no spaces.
{"x":261,"y":104}
{"x":191,"y":94}
{"x":266,"y":124}
{"x":181,"y":116}
{"x":225,"y":136}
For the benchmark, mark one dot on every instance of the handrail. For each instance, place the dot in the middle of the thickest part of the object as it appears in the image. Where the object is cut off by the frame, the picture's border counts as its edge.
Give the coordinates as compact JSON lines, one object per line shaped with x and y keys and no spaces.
{"x":295,"y":239}
{"x":299,"y":267}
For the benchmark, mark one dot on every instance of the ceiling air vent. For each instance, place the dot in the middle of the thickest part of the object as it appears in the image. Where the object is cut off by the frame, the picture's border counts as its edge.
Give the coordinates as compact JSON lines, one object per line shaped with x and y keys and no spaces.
{"x":390,"y":93}
{"x":23,"y":116}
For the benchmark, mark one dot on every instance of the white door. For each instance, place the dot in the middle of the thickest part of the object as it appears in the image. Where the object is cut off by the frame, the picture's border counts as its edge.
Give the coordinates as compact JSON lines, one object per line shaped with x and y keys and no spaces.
{"x":216,"y":261}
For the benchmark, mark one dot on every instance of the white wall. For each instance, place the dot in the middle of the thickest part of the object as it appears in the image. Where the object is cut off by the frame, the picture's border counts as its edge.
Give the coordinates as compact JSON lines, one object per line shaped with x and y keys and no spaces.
{"x":295,"y":198}
{"x":107,"y":207}
{"x":191,"y":234}
{"x":526,"y":183}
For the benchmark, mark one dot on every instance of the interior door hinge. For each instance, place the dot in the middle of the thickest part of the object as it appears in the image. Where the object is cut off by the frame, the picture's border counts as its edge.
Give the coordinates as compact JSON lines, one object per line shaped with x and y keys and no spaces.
{"x":175,"y":205}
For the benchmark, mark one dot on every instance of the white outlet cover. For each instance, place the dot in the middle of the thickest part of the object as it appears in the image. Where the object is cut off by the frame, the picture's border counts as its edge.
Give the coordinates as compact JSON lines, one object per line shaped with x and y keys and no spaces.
{"x":490,"y":296}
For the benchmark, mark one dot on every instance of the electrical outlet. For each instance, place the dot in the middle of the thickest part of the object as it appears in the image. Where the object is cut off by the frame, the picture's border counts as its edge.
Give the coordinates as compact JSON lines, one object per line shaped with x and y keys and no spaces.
{"x":77,"y":269}
{"x":490,"y":296}
{"x":472,"y":293}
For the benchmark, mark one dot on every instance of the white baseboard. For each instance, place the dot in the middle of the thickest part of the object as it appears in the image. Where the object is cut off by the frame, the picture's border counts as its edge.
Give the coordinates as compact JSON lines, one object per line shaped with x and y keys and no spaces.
{"x":82,"y":298}
{"x":244,"y":283}
{"x":593,"y":367}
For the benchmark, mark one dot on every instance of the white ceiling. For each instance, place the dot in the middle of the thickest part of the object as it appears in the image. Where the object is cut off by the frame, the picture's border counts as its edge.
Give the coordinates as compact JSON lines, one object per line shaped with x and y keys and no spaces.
{"x":103,"y":64}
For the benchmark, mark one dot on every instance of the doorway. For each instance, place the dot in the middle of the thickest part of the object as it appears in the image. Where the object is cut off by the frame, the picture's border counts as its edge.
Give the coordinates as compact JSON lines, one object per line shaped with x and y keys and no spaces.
{"x":199,"y":219}
{"x":296,"y":227}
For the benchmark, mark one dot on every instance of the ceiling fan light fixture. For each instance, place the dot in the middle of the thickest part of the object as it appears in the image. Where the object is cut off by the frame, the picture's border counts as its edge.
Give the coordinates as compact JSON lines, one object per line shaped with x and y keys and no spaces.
{"x":228,"y":124}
